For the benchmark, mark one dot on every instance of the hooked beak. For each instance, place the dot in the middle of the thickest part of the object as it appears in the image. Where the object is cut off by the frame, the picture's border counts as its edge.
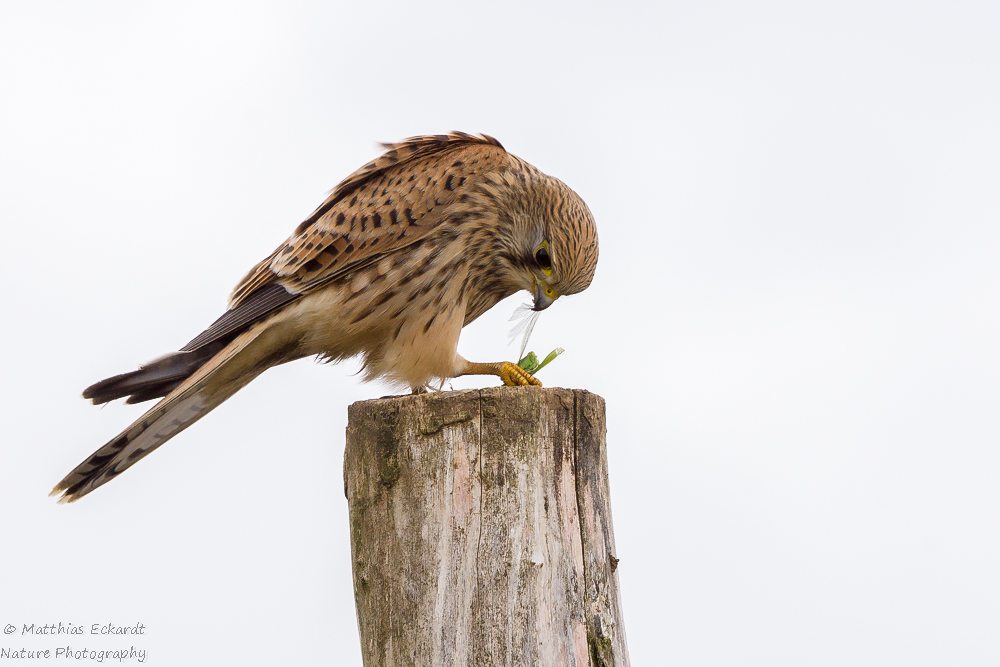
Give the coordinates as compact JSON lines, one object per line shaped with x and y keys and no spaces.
{"x":544,"y":296}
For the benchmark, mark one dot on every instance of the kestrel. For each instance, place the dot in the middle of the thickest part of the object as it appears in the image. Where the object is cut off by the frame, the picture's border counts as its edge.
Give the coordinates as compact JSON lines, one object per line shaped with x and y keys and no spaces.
{"x":403,"y":253}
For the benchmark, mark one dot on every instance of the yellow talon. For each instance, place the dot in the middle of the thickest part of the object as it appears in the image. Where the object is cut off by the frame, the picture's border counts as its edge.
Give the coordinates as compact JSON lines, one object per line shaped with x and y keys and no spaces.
{"x":511,"y":374}
{"x":515,"y":376}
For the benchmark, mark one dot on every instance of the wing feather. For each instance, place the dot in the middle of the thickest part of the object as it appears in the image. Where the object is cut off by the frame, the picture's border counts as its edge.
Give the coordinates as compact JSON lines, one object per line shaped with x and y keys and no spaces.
{"x":256,"y":306}
{"x":389,"y":203}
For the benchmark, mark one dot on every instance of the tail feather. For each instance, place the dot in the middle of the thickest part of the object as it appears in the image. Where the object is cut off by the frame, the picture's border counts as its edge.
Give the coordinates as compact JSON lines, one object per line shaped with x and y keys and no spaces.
{"x":208,"y":386}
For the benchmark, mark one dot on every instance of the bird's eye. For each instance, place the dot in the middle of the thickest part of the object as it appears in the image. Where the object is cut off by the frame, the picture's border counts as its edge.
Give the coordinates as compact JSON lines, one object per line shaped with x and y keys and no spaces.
{"x":543,"y":259}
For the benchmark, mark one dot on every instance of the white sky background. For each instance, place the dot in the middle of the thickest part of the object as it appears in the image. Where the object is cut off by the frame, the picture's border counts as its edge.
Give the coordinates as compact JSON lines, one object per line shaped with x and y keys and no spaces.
{"x":794,"y":321}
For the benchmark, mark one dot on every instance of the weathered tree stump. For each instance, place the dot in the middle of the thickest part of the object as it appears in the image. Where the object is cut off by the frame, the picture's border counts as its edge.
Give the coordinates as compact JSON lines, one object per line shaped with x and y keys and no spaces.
{"x":481,"y":530}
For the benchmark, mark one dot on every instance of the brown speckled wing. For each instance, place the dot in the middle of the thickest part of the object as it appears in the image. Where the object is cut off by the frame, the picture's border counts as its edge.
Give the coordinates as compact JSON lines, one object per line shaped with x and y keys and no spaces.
{"x":386,"y":205}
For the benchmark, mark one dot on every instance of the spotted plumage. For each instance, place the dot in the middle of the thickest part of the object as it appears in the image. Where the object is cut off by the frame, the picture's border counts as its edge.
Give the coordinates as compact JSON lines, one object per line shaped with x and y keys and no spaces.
{"x":402,"y":254}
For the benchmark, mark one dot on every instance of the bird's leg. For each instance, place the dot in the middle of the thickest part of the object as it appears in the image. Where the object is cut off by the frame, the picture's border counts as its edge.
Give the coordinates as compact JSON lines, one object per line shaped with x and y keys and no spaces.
{"x":511,"y":374}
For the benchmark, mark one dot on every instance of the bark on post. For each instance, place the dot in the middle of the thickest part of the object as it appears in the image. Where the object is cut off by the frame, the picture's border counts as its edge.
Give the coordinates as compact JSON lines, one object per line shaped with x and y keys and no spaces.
{"x":481,"y":530}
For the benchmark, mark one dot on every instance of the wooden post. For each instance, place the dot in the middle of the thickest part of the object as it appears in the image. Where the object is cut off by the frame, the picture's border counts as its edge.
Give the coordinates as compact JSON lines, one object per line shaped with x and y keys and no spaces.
{"x":481,"y":530}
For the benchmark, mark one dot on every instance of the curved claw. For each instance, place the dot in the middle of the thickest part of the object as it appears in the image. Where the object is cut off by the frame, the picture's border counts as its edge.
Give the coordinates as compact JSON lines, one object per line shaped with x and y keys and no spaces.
{"x":515,"y":376}
{"x":511,"y":374}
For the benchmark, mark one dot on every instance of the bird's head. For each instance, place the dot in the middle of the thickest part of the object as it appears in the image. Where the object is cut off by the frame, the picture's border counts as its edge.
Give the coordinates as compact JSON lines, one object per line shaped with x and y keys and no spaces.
{"x":552,"y":243}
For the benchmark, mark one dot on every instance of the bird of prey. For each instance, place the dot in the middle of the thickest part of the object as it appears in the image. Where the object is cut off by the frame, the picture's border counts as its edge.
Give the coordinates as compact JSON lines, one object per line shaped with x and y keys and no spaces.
{"x":402,"y":254}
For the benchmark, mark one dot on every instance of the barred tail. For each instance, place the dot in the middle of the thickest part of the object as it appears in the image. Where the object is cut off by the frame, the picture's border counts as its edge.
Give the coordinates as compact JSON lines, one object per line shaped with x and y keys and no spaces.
{"x":189,"y":399}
